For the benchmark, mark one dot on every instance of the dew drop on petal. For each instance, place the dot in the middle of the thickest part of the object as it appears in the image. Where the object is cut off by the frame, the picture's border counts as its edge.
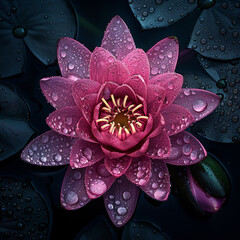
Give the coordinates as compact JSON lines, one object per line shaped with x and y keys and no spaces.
{"x":57,"y":157}
{"x":159,"y":194}
{"x":71,"y":197}
{"x":71,"y":66}
{"x":63,"y":54}
{"x":98,"y":187}
{"x":122,"y":211}
{"x":199,"y":105}
{"x":126,"y":195}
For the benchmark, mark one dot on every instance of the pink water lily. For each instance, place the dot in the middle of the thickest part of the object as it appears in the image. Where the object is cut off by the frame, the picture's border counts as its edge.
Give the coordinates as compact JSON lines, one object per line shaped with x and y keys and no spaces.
{"x":119,"y":120}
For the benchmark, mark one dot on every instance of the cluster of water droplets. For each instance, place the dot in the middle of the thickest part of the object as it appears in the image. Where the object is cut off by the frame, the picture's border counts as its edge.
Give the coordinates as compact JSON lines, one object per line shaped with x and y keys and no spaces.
{"x":49,"y":149}
{"x":73,"y":193}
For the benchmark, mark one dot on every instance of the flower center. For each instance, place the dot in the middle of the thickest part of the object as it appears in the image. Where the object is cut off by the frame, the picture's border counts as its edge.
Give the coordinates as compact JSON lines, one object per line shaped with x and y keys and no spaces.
{"x":121,"y":117}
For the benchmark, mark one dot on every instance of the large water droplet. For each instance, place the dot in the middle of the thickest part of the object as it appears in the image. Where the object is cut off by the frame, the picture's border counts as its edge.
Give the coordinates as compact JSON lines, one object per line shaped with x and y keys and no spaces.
{"x":98,"y":187}
{"x":87,"y":152}
{"x":126,"y":195}
{"x":199,"y":105}
{"x":57,"y":157}
{"x":122,"y":211}
{"x":71,"y":197}
{"x":160,"y":194}
{"x":19,"y":32}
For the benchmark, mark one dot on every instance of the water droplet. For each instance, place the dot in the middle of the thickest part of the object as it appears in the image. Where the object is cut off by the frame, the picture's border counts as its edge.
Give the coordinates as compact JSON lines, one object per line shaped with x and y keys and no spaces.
{"x":57,"y":157}
{"x":54,"y":96}
{"x":126,"y":195}
{"x":77,"y":175}
{"x":43,"y":159}
{"x":45,"y":138}
{"x":71,"y":66}
{"x":110,"y":206}
{"x":122,"y":211}
{"x":19,"y":32}
{"x":187,"y":149}
{"x":199,"y":105}
{"x":87,"y":152}
{"x":154,"y":70}
{"x":69,"y":120}
{"x":71,"y":197}
{"x":98,"y":187}
{"x":160,"y":194}
{"x":63,"y":54}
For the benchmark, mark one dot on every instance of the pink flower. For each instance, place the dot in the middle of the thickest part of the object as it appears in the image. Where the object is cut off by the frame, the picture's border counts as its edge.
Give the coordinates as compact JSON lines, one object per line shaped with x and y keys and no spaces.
{"x":120,"y":118}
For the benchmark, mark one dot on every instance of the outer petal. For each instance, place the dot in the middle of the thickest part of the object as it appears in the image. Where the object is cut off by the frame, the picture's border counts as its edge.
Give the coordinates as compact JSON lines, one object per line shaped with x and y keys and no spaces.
{"x":83,"y":87}
{"x":118,"y":166}
{"x":98,"y":180}
{"x":58,"y":91}
{"x":158,"y":125}
{"x":199,"y":103}
{"x":155,"y":99}
{"x":138,"y":64}
{"x":171,"y":82}
{"x":141,"y":151}
{"x":83,"y":130}
{"x":159,"y":146}
{"x":88,"y":104}
{"x":84,"y":154}
{"x":48,"y":149}
{"x":121,"y":200}
{"x":205,"y":202}
{"x":73,"y":192}
{"x":73,"y":58}
{"x":116,"y":72}
{"x":100,"y":60}
{"x":64,"y":120}
{"x":139,"y":171}
{"x":177,"y":119}
{"x":185,"y":150}
{"x":163,"y":56}
{"x":158,"y":186}
{"x":118,"y":39}
{"x":112,"y":153}
{"x":138,"y":84}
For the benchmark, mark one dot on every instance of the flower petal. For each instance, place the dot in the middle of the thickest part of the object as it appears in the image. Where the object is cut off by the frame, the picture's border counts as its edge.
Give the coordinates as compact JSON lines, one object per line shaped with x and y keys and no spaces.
{"x":155,"y":99}
{"x":118,"y":39}
{"x":177,"y":119}
{"x":217,"y":39}
{"x":106,"y":90}
{"x":116,"y":72}
{"x":73,"y":59}
{"x":64,"y":120}
{"x":171,"y":82}
{"x":98,"y":180}
{"x":138,"y":64}
{"x":84,"y":154}
{"x":158,"y":186}
{"x":100,"y":60}
{"x":88,"y":104}
{"x":185,"y":150}
{"x":139,"y":171}
{"x":58,"y":91}
{"x":140,"y":151}
{"x":123,"y":90}
{"x":204,"y":200}
{"x":159,"y":13}
{"x":159,"y":146}
{"x":118,"y":166}
{"x":199,"y":103}
{"x":83,"y":130}
{"x":138,"y":84}
{"x":112,"y":153}
{"x":43,"y":34}
{"x":121,"y":200}
{"x":83,"y":87}
{"x":48,"y":149}
{"x":73,"y":192}
{"x":163,"y":56}
{"x":158,"y":125}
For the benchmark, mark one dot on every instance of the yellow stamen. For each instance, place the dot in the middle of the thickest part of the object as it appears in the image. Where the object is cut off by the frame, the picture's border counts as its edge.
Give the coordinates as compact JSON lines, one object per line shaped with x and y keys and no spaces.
{"x":137,"y":114}
{"x":133,"y":128}
{"x":142,"y":117}
{"x":132,"y":105}
{"x":137,"y":107}
{"x":112,"y":127}
{"x":126,"y":130}
{"x":139,"y":124}
{"x":106,"y":103}
{"x":105,"y":126}
{"x":125,"y":101}
{"x":108,"y":116}
{"x":119,"y":132}
{"x":113,"y":100}
{"x":106,"y":109}
{"x":119,"y":102}
{"x":101,"y":120}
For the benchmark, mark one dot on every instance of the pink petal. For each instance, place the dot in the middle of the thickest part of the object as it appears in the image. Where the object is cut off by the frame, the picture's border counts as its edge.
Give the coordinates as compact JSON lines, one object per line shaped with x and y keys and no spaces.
{"x":84,"y":154}
{"x":199,"y":103}
{"x":123,"y":90}
{"x":118,"y":39}
{"x":155,"y":99}
{"x":138,"y":64}
{"x":137,"y":83}
{"x":171,"y":82}
{"x":48,"y":149}
{"x":97,"y":134}
{"x":158,"y":186}
{"x":100,"y":60}
{"x":163,"y":56}
{"x":98,"y":180}
{"x":106,"y":90}
{"x":177,"y":119}
{"x":84,"y":131}
{"x":64,"y":120}
{"x":88,"y":104}
{"x":116,"y":72}
{"x":118,"y":166}
{"x":141,"y":151}
{"x":159,"y":146}
{"x":121,"y":200}
{"x":83,"y":87}
{"x":73,"y":192}
{"x":73,"y":58}
{"x":139,"y":171}
{"x":112,"y":153}
{"x":158,"y":125}
{"x":185,"y":150}
{"x":205,"y":202}
{"x":58,"y":91}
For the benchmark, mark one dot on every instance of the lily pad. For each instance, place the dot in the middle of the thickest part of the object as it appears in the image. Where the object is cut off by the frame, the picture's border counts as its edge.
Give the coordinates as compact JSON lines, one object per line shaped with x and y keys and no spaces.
{"x":14,"y":127}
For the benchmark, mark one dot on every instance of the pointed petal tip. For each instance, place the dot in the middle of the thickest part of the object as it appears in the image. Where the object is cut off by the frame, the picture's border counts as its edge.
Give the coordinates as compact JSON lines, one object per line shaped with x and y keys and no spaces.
{"x":174,"y":38}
